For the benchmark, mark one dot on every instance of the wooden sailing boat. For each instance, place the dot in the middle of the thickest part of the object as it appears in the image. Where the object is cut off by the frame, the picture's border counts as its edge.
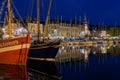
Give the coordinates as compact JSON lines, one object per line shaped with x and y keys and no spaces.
{"x":14,"y":49}
{"x":43,"y":49}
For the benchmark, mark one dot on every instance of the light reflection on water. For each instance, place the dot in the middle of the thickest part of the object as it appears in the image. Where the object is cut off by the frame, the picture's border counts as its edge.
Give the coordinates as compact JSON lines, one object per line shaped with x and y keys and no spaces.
{"x":35,"y":70}
{"x":97,"y":62}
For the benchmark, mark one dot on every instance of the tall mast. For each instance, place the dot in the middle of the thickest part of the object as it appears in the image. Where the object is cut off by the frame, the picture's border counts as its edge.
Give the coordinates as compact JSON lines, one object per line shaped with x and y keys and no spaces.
{"x":46,"y":22}
{"x":38,"y":18}
{"x":9,"y":19}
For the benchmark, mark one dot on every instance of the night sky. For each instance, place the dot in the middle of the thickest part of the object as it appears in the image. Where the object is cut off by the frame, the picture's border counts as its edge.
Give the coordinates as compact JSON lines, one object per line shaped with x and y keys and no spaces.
{"x":106,"y":12}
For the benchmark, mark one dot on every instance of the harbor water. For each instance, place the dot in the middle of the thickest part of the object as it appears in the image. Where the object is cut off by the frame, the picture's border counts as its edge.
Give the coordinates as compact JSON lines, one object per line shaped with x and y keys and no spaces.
{"x":97,"y":62}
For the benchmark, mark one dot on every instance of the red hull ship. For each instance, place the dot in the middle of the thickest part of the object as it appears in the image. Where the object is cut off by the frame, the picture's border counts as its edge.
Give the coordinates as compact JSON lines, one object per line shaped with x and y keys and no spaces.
{"x":15,"y":50}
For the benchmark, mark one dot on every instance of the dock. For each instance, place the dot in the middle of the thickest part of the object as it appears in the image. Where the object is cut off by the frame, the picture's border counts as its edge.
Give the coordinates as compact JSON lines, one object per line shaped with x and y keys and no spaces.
{"x":89,"y":43}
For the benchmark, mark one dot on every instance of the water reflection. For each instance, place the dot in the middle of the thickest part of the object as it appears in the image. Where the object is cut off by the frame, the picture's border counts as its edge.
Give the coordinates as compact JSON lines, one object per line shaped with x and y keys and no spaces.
{"x":76,"y":52}
{"x":43,"y":70}
{"x":12,"y":72}
{"x":35,"y":70}
{"x":97,"y":62}
{"x":71,"y":53}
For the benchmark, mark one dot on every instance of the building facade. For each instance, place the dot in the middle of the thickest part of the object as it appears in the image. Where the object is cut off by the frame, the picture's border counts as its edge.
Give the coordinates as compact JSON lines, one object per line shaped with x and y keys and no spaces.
{"x":68,"y":30}
{"x":64,"y":30}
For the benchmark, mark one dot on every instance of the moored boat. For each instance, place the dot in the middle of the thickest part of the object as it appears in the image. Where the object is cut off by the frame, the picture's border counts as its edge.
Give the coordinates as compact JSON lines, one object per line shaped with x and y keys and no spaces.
{"x":45,"y":51}
{"x":43,"y":48}
{"x":14,"y":49}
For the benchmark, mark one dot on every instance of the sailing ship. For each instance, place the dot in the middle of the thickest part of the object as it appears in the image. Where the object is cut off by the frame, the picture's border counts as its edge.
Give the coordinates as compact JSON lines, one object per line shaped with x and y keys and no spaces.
{"x":43,"y":49}
{"x":13,"y":49}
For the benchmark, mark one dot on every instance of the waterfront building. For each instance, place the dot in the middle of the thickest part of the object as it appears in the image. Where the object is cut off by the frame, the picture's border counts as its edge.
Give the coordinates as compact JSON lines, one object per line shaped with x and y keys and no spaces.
{"x":62,"y":29}
{"x":33,"y":28}
{"x":103,"y":34}
{"x":69,"y":30}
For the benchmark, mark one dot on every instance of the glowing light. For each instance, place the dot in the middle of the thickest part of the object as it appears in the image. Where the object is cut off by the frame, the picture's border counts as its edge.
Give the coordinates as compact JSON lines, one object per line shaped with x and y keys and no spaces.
{"x":73,"y":47}
{"x":20,"y":31}
{"x":62,"y":47}
{"x":94,"y":52}
{"x":82,"y":51}
{"x":3,"y":29}
{"x":108,"y":47}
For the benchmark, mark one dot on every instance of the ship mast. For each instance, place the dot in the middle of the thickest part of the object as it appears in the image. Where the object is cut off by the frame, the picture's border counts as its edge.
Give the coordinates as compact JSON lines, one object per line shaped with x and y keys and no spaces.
{"x":38,"y":18}
{"x":46,"y":22}
{"x":9,"y":19}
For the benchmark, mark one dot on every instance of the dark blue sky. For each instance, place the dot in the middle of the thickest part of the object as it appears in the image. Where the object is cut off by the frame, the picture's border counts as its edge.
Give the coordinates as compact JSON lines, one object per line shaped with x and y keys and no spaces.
{"x":105,"y":12}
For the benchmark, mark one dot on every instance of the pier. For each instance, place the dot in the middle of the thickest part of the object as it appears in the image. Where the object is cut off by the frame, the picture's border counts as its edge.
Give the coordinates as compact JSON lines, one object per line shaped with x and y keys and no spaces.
{"x":87,"y":43}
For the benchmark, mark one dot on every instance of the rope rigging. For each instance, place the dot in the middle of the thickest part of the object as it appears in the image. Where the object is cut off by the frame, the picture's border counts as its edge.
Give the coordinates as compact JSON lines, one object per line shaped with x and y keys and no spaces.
{"x":30,"y":9}
{"x":13,"y":6}
{"x":2,"y":7}
{"x":18,"y":13}
{"x":43,"y":8}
